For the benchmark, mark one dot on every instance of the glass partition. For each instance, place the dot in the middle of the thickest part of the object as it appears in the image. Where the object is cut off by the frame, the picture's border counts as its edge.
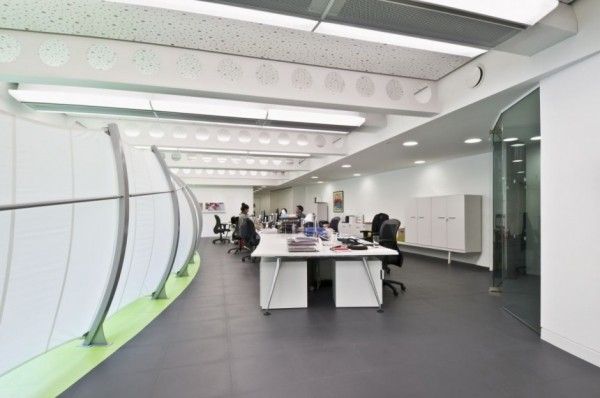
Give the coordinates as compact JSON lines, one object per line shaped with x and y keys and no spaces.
{"x":516,"y":203}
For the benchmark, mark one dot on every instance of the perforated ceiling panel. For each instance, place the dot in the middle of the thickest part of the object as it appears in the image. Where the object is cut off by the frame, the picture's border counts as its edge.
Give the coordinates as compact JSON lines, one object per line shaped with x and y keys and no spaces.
{"x":96,"y":18}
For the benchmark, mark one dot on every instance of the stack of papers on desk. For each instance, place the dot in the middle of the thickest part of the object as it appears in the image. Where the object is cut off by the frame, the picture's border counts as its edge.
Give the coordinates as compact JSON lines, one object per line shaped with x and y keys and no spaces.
{"x":303,"y":244}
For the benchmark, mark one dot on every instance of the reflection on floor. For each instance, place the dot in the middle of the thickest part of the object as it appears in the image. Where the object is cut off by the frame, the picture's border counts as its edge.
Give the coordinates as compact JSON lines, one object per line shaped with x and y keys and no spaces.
{"x":445,"y":337}
{"x":521,"y":296}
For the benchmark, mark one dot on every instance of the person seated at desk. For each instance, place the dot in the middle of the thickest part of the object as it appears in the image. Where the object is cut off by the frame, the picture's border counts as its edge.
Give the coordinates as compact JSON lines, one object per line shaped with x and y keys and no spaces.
{"x":300,"y":212}
{"x":243,"y":214}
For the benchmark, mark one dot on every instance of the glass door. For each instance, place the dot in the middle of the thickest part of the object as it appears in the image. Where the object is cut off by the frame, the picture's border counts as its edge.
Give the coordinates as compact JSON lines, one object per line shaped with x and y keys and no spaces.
{"x":516,"y":204}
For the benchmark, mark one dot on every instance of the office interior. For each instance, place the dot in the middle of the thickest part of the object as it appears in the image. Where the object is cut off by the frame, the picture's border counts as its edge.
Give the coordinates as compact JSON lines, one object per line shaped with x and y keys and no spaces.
{"x":325,"y":198}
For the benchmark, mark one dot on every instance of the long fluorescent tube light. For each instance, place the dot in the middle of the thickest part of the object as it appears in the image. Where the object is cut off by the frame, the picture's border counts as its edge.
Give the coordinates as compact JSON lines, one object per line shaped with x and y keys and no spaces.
{"x":309,"y":116}
{"x":395,"y":39}
{"x":63,"y":95}
{"x":522,"y":11}
{"x":226,"y":151}
{"x":227,"y":11}
{"x":202,"y":106}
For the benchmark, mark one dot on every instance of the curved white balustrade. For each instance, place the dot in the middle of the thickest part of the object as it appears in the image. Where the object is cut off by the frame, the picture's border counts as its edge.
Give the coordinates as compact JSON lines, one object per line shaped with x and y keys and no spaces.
{"x":56,"y":258}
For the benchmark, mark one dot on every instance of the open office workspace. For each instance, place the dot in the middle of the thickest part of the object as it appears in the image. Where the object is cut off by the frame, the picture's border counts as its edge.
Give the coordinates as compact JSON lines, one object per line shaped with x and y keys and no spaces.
{"x":324,"y":198}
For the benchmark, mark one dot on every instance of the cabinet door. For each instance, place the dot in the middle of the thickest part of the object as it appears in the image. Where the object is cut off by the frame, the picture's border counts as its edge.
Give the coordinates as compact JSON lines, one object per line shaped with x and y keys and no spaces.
{"x":455,"y":210}
{"x":424,"y":220}
{"x":411,"y":222}
{"x":438,"y":222}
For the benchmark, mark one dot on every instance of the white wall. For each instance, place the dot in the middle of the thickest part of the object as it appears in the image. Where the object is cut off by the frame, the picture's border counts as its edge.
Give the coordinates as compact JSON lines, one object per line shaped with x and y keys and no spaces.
{"x":389,"y":193}
{"x":231,"y":196}
{"x":570,"y":193}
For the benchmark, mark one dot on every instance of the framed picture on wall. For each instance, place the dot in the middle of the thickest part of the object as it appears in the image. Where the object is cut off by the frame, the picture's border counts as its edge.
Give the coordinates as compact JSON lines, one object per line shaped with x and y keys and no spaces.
{"x":338,"y":202}
{"x":214,"y":207}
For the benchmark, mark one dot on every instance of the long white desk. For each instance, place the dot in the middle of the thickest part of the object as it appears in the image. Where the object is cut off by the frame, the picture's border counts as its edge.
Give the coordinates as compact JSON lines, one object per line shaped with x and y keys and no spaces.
{"x":283,"y":275}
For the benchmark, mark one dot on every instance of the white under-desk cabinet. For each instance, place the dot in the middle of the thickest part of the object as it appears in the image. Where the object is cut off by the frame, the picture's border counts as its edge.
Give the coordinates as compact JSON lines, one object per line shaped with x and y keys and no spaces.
{"x":451,"y":222}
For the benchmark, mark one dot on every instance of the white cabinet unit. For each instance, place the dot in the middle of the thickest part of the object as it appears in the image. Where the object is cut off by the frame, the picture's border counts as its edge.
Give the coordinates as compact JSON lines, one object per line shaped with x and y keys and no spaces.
{"x":451,"y":223}
{"x":439,"y":236}
{"x":411,"y":222}
{"x":424,"y":221}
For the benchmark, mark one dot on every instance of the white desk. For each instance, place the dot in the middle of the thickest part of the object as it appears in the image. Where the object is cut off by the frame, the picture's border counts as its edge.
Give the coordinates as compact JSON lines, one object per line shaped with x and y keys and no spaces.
{"x":283,"y":275}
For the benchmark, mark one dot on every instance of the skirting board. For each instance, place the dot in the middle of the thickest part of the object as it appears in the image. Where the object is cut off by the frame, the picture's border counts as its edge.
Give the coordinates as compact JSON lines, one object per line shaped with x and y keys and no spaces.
{"x":573,"y":348}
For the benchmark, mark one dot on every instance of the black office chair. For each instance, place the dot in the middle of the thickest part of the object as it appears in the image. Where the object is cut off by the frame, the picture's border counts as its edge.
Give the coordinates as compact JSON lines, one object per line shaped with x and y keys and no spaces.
{"x":309,"y":224}
{"x":387,"y":238}
{"x":250,"y":237}
{"x":335,"y":221}
{"x":235,"y":236}
{"x":376,"y":224}
{"x":220,"y":229}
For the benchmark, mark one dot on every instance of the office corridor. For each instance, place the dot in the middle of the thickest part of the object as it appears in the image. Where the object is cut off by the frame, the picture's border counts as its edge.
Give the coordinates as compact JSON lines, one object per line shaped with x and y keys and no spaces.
{"x":446,"y":336}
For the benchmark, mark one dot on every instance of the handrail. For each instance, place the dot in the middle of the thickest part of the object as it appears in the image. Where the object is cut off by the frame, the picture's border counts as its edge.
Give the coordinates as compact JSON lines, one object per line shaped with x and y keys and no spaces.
{"x":30,"y":205}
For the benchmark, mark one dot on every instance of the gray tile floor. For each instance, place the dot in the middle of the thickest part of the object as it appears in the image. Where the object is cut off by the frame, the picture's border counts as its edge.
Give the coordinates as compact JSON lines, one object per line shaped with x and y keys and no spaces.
{"x":445,"y":337}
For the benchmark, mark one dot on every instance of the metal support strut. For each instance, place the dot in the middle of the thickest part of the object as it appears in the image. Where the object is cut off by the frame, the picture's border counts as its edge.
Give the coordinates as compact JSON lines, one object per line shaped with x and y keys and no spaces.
{"x":366,"y":266}
{"x":273,"y":282}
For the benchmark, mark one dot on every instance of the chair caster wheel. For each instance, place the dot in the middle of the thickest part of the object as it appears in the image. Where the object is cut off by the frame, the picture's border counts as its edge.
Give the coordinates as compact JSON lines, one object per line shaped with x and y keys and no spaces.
{"x":396,"y":294}
{"x":266,"y":313}
{"x":380,"y":311}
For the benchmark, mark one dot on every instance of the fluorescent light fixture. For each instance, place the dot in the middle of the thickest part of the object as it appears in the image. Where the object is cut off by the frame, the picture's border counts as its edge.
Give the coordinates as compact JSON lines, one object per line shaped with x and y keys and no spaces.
{"x":517,"y":160}
{"x":395,"y":39}
{"x":204,"y":106}
{"x":419,"y":161}
{"x":350,"y":119}
{"x":521,"y":172}
{"x":356,"y":174}
{"x":536,"y":138}
{"x":473,"y":140}
{"x":518,"y":144}
{"x":510,"y":139}
{"x":227,"y":11}
{"x":346,"y":166}
{"x":319,"y":182}
{"x":410,"y":143}
{"x":288,"y":154}
{"x":525,"y":12}
{"x":64,"y":95}
{"x":314,"y":177}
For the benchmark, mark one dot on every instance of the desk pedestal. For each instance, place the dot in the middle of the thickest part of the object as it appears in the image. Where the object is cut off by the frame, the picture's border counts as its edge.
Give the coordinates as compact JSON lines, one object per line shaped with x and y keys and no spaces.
{"x":290,"y":289}
{"x":352,"y":287}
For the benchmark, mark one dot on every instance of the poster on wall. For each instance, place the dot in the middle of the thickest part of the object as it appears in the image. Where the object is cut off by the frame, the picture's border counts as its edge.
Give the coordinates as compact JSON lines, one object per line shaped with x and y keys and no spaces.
{"x":214,"y":207}
{"x":338,"y":202}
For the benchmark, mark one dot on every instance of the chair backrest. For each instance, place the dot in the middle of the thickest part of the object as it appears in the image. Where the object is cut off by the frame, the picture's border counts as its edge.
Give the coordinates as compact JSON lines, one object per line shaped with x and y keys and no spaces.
{"x":248,"y":232}
{"x":334,"y":223}
{"x":217,"y":226}
{"x":387,"y":238}
{"x":236,"y":228}
{"x":378,"y":220}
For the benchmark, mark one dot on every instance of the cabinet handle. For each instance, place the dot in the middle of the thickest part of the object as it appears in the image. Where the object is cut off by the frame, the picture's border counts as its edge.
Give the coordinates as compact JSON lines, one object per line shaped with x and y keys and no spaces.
{"x":452,"y":218}
{"x":441,"y":218}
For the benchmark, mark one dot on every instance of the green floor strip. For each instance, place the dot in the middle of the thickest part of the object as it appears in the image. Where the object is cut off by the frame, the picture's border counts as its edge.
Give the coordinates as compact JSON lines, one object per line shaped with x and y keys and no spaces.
{"x":53,"y":372}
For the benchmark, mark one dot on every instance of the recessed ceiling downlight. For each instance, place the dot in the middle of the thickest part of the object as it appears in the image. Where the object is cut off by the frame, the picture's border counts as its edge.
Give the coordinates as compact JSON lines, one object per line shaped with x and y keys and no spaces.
{"x":473,"y":140}
{"x":410,"y":143}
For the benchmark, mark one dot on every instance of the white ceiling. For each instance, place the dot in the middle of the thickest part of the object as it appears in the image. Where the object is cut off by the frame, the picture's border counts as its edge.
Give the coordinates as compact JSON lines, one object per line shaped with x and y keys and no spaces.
{"x":96,"y":18}
{"x":440,"y":139}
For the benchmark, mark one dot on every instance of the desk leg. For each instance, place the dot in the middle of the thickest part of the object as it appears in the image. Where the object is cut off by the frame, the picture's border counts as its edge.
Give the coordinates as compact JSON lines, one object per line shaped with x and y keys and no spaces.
{"x":366,"y":266}
{"x":273,"y":286}
{"x":449,"y":257}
